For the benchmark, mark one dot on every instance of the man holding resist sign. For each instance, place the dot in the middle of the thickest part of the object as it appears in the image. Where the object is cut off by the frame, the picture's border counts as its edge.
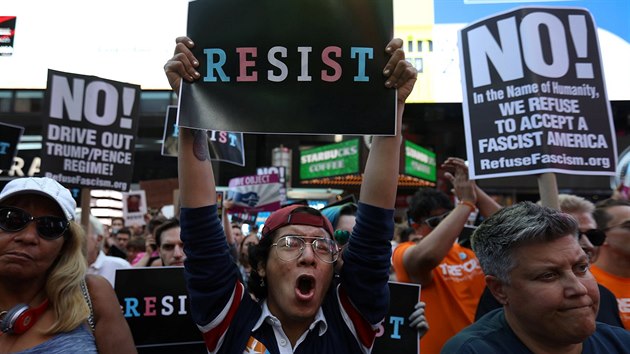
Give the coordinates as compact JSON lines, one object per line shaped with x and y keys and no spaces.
{"x":299,"y":311}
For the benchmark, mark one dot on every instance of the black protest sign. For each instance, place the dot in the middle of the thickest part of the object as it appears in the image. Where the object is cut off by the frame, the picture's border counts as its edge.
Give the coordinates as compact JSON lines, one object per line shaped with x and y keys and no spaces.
{"x":223,"y":146}
{"x":534,"y":95}
{"x":90,"y":127}
{"x":9,"y":139}
{"x":155,"y":304}
{"x":395,"y":335}
{"x":291,"y":67}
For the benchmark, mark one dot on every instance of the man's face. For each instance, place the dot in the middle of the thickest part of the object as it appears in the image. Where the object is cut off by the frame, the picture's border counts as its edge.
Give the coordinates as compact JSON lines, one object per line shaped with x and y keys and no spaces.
{"x":297,"y":287}
{"x":553,"y":297}
{"x":618,"y":235}
{"x":117,"y":224}
{"x":172,"y":248}
{"x":237,"y":234}
{"x":122,"y":239}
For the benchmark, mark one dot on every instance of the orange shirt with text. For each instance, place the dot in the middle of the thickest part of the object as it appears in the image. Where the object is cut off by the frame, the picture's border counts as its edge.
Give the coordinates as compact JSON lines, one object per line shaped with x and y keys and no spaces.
{"x":451,"y":298}
{"x":618,"y":286}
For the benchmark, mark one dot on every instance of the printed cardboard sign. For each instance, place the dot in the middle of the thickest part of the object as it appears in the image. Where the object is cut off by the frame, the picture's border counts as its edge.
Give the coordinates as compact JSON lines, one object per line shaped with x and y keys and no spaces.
{"x":90,"y":128}
{"x":223,"y":146}
{"x":534,"y":95}
{"x":9,"y":138}
{"x":290,"y":67}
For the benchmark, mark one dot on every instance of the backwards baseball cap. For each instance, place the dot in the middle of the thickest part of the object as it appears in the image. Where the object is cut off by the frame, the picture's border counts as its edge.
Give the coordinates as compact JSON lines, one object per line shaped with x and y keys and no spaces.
{"x":296,"y":215}
{"x":44,"y":186}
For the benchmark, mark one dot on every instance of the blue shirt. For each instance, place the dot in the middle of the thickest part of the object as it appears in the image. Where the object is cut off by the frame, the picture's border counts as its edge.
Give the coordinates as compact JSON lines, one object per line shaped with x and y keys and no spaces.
{"x":79,"y":340}
{"x":492,"y":334}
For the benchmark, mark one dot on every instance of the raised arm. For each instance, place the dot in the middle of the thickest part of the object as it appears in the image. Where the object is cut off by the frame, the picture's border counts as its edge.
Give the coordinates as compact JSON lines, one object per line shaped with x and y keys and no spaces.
{"x":419,"y":260}
{"x":196,"y":179}
{"x":210,"y":273}
{"x":380,"y":180}
{"x":367,"y":256}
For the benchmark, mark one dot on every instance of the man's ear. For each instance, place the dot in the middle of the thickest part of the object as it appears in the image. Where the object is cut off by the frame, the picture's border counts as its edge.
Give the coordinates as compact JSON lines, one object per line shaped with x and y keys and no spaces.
{"x":497,"y":288}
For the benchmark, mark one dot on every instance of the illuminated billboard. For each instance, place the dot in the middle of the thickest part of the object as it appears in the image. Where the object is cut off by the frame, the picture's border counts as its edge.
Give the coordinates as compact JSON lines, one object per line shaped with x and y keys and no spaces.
{"x":330,"y":160}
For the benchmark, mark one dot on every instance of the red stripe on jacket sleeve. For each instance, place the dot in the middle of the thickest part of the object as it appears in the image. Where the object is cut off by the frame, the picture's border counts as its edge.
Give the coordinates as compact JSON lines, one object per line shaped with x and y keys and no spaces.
{"x":365,"y":332}
{"x":212,"y":336}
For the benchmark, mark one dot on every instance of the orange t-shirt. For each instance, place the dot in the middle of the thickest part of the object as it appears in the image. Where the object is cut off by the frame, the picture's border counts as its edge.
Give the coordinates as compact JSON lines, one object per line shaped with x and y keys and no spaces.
{"x":452,"y":296}
{"x":618,"y":286}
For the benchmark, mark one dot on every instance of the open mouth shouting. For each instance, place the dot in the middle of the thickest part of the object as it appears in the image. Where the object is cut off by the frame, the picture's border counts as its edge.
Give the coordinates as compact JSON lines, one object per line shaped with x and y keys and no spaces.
{"x":305,"y":287}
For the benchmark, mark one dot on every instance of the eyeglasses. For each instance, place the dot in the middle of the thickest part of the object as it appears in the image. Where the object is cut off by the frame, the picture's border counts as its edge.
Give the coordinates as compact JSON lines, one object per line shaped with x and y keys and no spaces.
{"x":291,"y":247}
{"x":48,"y":227}
{"x":595,"y":236}
{"x":434,"y":221}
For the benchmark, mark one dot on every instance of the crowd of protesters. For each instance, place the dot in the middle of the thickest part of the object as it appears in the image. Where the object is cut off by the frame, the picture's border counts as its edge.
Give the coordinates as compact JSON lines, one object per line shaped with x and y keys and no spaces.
{"x":313,"y":281}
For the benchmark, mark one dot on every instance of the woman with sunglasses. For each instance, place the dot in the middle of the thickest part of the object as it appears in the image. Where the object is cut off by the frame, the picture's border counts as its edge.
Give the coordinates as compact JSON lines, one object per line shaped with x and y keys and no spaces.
{"x":47,"y":304}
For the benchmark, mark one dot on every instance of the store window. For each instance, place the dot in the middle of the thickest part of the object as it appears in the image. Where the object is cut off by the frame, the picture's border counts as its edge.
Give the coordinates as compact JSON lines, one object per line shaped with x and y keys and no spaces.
{"x":155,"y":102}
{"x":6,"y":96}
{"x":28,"y":101}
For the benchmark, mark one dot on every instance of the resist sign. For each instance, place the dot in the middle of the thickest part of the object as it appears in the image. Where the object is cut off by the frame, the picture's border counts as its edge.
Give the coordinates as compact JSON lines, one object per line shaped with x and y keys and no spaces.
{"x":534,"y":95}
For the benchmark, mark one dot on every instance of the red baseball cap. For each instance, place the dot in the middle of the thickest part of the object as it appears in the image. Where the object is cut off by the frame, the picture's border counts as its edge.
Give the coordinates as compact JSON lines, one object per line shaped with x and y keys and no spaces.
{"x":296,"y":215}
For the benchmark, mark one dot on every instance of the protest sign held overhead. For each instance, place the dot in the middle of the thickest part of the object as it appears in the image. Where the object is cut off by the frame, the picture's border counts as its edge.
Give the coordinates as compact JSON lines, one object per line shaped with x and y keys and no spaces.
{"x":534,"y":95}
{"x":255,"y":193}
{"x":9,"y":139}
{"x":223,"y":146}
{"x":316,"y":70}
{"x":281,"y":172}
{"x":90,"y":127}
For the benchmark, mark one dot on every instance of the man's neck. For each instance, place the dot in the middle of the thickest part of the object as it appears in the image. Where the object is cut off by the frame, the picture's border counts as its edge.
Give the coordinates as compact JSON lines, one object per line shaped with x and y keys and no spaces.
{"x":295,"y":330}
{"x":539,"y":346}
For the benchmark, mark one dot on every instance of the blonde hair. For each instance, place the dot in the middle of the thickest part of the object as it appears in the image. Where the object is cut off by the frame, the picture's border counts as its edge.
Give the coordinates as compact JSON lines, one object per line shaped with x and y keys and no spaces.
{"x":63,"y":284}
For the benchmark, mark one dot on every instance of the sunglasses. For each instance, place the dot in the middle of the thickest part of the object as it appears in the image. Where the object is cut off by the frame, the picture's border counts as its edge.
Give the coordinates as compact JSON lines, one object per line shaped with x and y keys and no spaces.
{"x":595,"y":236}
{"x":434,"y":221}
{"x":48,"y":227}
{"x":341,"y":236}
